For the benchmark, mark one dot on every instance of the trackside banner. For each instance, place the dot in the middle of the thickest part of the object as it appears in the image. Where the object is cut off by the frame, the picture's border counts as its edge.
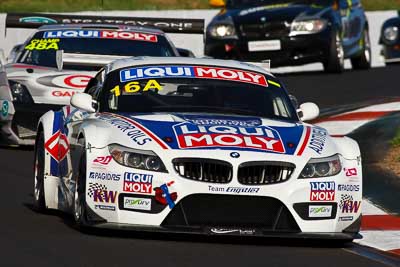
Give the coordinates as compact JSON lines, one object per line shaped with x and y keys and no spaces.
{"x":35,"y":20}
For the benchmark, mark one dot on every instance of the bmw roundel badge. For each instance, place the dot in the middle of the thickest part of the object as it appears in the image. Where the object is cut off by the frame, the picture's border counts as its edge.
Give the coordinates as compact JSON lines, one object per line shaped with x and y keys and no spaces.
{"x":235,"y":155}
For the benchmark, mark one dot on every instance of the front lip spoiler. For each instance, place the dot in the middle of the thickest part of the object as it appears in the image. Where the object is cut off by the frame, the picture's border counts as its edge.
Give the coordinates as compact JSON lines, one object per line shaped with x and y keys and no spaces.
{"x":228,"y":231}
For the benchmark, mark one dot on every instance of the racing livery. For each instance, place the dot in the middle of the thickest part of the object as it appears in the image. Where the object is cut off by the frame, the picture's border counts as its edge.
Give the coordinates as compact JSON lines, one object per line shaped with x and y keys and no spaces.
{"x":58,"y":61}
{"x":291,"y":32}
{"x":199,"y":146}
{"x":390,"y":40}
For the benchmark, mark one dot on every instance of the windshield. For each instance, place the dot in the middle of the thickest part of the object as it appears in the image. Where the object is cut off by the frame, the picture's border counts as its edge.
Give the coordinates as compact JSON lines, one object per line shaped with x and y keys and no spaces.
{"x":197,"y":89}
{"x":253,"y":3}
{"x":41,"y":48}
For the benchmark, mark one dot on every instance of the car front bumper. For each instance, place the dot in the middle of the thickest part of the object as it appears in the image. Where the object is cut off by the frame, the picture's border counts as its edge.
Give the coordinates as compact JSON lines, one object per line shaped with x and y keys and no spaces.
{"x":295,"y":50}
{"x":276,"y":209}
{"x":391,"y":53}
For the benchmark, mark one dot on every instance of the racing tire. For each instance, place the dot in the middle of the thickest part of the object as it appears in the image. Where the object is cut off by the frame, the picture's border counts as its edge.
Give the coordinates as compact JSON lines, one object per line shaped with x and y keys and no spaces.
{"x":335,"y":61}
{"x":363,"y":61}
{"x":79,"y":210}
{"x":39,"y":201}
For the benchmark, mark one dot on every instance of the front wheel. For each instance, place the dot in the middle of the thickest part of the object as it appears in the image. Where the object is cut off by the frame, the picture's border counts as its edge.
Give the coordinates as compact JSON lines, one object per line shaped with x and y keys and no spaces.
{"x":39,"y":201}
{"x":335,"y":60}
{"x":363,"y":61}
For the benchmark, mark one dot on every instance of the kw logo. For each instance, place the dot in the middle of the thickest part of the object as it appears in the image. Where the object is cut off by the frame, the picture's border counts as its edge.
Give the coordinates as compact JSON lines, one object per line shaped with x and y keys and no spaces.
{"x":104,"y":196}
{"x":100,"y":193}
{"x":351,"y":206}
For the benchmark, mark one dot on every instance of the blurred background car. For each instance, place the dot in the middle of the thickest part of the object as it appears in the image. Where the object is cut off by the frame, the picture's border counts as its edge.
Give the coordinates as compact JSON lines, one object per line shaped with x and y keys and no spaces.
{"x":58,"y":60}
{"x":390,"y":40}
{"x":293,"y":32}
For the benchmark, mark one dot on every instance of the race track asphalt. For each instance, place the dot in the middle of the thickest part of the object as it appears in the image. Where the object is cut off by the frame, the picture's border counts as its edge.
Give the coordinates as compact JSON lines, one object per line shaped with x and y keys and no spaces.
{"x":28,"y":238}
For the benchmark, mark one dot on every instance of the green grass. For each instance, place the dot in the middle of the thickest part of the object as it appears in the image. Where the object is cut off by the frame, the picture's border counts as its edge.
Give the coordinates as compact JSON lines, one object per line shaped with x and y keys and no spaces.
{"x":96,"y":5}
{"x":395,"y":142}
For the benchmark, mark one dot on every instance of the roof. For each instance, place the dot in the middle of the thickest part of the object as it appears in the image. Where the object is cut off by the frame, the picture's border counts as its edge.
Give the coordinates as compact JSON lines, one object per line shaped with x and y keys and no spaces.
{"x":139,"y":61}
{"x":100,"y":27}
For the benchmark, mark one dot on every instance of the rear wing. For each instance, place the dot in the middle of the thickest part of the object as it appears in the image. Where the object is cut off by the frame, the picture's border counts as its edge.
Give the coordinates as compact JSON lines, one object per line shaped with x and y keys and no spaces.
{"x":84,"y":59}
{"x":35,"y":20}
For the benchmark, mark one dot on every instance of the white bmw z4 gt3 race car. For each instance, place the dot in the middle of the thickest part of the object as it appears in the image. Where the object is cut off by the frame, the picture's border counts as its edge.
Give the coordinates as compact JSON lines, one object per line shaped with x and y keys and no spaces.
{"x":199,"y":146}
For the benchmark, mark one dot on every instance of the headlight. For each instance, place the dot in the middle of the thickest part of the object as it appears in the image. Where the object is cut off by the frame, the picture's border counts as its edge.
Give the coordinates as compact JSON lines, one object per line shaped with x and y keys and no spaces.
{"x":391,"y":33}
{"x":322,"y":167}
{"x":20,"y":93}
{"x":307,"y":26}
{"x":135,"y":158}
{"x":222,"y":30}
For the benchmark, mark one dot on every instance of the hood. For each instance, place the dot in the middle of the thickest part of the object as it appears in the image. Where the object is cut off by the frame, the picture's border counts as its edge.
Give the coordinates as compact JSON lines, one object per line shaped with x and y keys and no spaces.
{"x":48,"y":85}
{"x":215,"y":132}
{"x":272,"y":13}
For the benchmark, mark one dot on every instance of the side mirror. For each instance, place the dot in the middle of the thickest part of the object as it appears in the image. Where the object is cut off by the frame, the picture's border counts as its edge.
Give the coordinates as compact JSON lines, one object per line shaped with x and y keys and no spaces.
{"x":308,"y":111}
{"x":185,"y":52}
{"x":216,"y":3}
{"x":83,"y":101}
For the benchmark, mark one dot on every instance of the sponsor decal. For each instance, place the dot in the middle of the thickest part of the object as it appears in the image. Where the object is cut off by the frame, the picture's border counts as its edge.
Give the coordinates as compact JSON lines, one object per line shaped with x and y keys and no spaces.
{"x":348,"y":204}
{"x":4,"y":108}
{"x":100,"y":193}
{"x":65,"y":81}
{"x":131,"y":130}
{"x":104,"y":176}
{"x":319,"y":211}
{"x":223,"y":122}
{"x":43,"y":44}
{"x":135,"y":87}
{"x":103,"y":160}
{"x":261,"y":8}
{"x":39,"y":20}
{"x":258,"y":138}
{"x":222,"y":231}
{"x":346,"y":218}
{"x":59,"y":93}
{"x":138,"y":182}
{"x":104,"y":207}
{"x":192,"y":72}
{"x":137,"y":203}
{"x":77,"y":81}
{"x":104,"y":34}
{"x":348,"y":187}
{"x":234,"y":190}
{"x":322,"y":191}
{"x":351,"y":172}
{"x":164,"y":196}
{"x":57,"y":146}
{"x":318,"y":139}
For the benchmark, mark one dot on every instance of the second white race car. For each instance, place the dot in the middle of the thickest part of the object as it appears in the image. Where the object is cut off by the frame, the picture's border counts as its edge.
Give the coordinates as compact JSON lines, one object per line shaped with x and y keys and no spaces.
{"x":199,"y":146}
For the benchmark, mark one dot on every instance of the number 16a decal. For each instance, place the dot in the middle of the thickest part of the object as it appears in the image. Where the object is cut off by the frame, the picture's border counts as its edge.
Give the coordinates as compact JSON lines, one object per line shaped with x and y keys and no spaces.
{"x":134,"y":87}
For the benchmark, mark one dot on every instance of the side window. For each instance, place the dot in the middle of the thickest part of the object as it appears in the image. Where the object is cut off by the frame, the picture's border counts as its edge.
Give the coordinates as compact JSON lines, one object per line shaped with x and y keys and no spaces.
{"x":95,"y":84}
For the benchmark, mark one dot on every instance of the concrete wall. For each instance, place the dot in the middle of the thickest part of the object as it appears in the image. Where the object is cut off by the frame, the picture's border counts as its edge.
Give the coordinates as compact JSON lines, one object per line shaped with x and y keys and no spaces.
{"x":195,"y":42}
